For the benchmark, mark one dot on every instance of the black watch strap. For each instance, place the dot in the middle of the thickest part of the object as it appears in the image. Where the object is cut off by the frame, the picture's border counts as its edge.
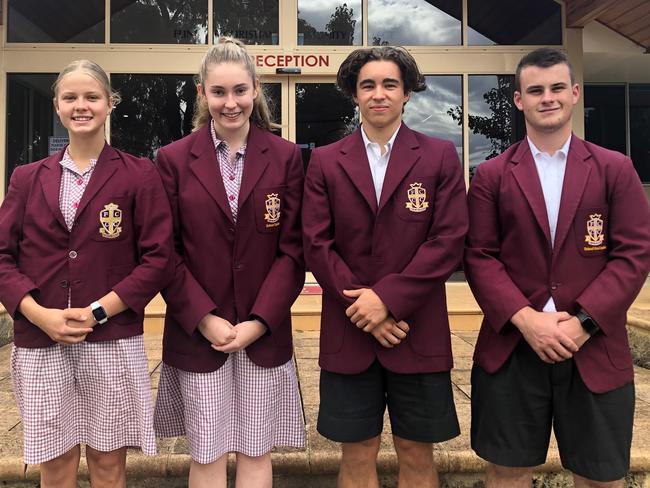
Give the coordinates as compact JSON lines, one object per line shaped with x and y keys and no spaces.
{"x":588,"y":324}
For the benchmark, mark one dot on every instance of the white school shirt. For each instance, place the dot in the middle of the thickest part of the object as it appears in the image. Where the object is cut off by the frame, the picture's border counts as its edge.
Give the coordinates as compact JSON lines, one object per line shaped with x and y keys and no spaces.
{"x":550,"y":169}
{"x":378,"y":162}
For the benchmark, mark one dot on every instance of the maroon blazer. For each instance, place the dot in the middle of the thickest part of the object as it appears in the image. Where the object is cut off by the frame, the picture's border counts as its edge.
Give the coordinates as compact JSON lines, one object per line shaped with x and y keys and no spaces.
{"x":38,"y":254}
{"x":253,"y":267}
{"x":599,"y":261}
{"x":404,"y":249}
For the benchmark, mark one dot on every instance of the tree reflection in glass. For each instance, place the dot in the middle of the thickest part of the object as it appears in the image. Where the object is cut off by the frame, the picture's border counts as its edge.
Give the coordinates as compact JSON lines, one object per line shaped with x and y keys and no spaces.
{"x":495,"y":123}
{"x":429,"y":111}
{"x":329,"y":22}
{"x":430,"y":22}
{"x":159,"y":21}
{"x":251,"y":21}
{"x":155,"y":110}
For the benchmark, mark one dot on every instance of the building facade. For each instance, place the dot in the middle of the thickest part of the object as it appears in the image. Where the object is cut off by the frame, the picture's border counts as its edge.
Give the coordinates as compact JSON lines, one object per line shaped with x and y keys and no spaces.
{"x":468,"y":50}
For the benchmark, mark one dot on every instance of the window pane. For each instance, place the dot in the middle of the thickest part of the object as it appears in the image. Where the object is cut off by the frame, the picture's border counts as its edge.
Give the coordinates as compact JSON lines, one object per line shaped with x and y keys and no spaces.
{"x":155,"y":110}
{"x":159,"y":21}
{"x":605,"y":116}
{"x":329,"y":22}
{"x":251,"y":21}
{"x":430,"y":22}
{"x":437,"y":111}
{"x":640,"y":129}
{"x":323,"y":116}
{"x":514,"y":22}
{"x":32,"y":124}
{"x":60,"y":21}
{"x":494,"y":121}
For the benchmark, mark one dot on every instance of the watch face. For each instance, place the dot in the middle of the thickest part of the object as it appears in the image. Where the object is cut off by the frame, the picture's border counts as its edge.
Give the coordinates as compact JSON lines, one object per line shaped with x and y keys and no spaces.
{"x":99,"y":313}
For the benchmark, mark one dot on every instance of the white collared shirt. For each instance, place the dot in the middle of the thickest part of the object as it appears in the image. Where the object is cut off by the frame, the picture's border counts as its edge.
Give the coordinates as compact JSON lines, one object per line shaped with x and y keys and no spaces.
{"x":378,"y":162}
{"x":550,"y":169}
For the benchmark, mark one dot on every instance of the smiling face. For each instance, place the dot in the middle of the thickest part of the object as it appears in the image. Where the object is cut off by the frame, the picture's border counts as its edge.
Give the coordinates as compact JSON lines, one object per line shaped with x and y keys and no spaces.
{"x":380,"y":95}
{"x":230,"y":92}
{"x":82,"y":104}
{"x":547,"y":98}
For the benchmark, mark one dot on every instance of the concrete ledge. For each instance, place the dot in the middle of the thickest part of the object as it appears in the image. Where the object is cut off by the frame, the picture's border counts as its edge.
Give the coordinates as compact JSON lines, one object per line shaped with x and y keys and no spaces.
{"x":299,"y":463}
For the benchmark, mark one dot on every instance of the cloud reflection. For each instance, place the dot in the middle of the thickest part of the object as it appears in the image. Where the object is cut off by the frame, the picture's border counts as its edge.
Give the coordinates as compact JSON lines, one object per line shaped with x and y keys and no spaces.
{"x":412,"y":23}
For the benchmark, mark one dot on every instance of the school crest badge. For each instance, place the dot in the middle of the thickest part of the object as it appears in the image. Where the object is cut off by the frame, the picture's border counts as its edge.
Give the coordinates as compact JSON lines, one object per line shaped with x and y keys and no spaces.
{"x":110,"y":218}
{"x":595,"y":235}
{"x":272,"y":205}
{"x":417,"y":197}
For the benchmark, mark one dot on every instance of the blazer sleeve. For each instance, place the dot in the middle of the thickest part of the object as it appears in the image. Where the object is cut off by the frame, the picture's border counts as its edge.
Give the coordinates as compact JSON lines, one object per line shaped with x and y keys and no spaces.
{"x":14,"y":285}
{"x":440,"y":254}
{"x":493,"y":288}
{"x":286,"y":277}
{"x":329,"y":268}
{"x":186,"y":299}
{"x":153,"y":238}
{"x":618,"y":284}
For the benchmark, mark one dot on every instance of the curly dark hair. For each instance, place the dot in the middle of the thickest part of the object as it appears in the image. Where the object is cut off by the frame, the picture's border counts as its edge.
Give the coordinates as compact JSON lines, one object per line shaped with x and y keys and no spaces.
{"x":346,"y":78}
{"x":544,"y":57}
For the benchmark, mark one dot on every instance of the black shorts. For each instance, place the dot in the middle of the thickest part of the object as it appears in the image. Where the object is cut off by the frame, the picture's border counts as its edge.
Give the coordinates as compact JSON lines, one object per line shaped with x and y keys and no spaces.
{"x":513,"y":411}
{"x":420,"y":406}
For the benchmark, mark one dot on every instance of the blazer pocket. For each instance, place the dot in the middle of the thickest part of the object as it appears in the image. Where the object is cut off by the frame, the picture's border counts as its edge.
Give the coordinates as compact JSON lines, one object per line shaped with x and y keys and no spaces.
{"x":591,"y":228}
{"x":429,"y":342}
{"x":269,"y":205}
{"x":618,"y":350}
{"x":111,"y":218}
{"x":414,"y":198}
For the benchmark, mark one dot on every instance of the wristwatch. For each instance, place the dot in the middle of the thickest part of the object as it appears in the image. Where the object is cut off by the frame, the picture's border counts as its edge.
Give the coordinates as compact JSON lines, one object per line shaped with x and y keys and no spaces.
{"x":588,"y":324}
{"x":99,"y":313}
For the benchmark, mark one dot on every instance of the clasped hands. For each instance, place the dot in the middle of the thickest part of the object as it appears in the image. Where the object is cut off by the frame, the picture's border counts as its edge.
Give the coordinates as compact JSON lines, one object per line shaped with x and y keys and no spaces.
{"x":370,"y":314}
{"x":67,"y":326}
{"x":228,"y":338}
{"x":554,"y":336}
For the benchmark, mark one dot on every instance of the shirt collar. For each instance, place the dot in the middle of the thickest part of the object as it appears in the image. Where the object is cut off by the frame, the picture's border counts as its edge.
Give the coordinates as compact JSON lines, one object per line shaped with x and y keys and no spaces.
{"x":389,"y":144}
{"x":218,"y":142}
{"x":563,"y":151}
{"x":68,"y":163}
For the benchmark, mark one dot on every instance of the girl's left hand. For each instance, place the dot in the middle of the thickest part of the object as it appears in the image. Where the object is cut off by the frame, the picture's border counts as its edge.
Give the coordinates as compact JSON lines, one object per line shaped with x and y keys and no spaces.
{"x":247,"y":333}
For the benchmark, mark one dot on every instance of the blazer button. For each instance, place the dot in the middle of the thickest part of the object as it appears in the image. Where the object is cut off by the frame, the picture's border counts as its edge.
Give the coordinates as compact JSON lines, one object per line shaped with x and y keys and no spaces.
{"x":64,"y":284}
{"x":237,"y":265}
{"x":553,"y":286}
{"x":72,"y":254}
{"x":231,"y":230}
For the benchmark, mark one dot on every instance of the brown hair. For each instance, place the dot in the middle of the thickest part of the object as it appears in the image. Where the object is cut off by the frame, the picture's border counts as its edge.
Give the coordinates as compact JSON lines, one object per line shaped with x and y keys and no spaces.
{"x":230,"y":50}
{"x":91,"y":69}
{"x":346,"y":78}
{"x":544,"y":57}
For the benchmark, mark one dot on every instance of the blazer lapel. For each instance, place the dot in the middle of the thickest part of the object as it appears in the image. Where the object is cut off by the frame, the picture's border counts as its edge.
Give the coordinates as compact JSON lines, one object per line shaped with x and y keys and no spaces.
{"x":403,"y":156}
{"x":255,"y":162}
{"x":206,"y":169}
{"x":51,"y":185}
{"x":575,"y":180}
{"x":527,"y":178}
{"x":106,"y":166}
{"x":354,"y":161}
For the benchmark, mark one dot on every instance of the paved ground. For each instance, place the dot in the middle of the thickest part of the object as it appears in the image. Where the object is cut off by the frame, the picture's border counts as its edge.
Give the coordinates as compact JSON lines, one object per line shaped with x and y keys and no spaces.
{"x":321,"y":456}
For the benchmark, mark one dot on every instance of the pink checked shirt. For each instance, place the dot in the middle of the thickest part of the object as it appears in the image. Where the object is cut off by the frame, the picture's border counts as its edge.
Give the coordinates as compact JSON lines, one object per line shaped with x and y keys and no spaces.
{"x":73,"y":185}
{"x":231,"y":171}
